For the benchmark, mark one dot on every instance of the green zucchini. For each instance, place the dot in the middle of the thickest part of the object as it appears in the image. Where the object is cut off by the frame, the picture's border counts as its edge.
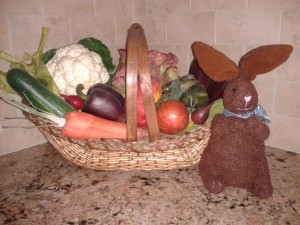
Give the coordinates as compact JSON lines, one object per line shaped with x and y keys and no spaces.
{"x":39,"y":96}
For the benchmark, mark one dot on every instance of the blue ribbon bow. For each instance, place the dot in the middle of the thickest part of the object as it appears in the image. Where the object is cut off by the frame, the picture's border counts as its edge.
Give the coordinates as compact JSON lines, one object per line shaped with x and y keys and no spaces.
{"x":258,"y":111}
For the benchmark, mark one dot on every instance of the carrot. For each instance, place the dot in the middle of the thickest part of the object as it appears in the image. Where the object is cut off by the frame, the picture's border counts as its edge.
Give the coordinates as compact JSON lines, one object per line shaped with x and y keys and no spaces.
{"x":82,"y":125}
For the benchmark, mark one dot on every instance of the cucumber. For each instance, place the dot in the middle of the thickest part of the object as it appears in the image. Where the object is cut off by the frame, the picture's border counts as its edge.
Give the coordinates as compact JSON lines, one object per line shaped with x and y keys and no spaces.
{"x":36,"y":93}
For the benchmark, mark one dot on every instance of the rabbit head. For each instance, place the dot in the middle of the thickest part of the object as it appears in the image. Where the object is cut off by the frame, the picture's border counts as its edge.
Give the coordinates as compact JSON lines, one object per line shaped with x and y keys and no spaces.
{"x":240,"y":95}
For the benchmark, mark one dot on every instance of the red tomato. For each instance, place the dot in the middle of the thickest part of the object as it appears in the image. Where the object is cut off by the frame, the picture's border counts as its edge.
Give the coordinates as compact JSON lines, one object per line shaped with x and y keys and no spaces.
{"x":173,"y":117}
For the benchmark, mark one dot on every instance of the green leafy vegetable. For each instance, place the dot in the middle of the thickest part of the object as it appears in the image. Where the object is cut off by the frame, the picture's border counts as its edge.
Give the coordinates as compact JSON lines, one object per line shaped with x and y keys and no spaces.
{"x":36,"y":68}
{"x":48,"y":55}
{"x":171,"y":90}
{"x":101,"y":49}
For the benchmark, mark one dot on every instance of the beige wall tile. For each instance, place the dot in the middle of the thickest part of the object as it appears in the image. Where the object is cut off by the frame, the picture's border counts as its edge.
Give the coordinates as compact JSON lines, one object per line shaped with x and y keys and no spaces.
{"x":248,"y":26}
{"x":16,"y":7}
{"x":15,"y":139}
{"x":265,"y":87}
{"x":123,"y":23}
{"x":155,"y":28}
{"x":191,"y":27}
{"x":68,"y":7}
{"x":273,"y":3}
{"x":6,"y":110}
{"x":290,"y":70}
{"x":204,"y":5}
{"x":287,"y":99}
{"x":26,"y":31}
{"x":182,"y":53}
{"x":4,"y":37}
{"x":290,"y":26}
{"x":113,"y":7}
{"x":100,"y":27}
{"x":168,"y":6}
{"x":114,"y":52}
{"x":139,"y":7}
{"x":284,"y":133}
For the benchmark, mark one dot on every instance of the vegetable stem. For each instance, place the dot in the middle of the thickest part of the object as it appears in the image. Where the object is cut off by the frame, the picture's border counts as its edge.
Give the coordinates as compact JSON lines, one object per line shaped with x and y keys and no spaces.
{"x":9,"y":58}
{"x":58,"y":120}
{"x":79,"y":92}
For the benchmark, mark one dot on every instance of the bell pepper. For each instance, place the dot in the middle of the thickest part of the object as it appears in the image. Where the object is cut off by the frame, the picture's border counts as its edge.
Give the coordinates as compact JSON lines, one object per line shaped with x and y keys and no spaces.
{"x":103,"y":101}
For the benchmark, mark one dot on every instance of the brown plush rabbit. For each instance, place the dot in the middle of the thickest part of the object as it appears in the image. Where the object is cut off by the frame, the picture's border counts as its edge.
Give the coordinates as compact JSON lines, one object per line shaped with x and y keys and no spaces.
{"x":235,"y":154}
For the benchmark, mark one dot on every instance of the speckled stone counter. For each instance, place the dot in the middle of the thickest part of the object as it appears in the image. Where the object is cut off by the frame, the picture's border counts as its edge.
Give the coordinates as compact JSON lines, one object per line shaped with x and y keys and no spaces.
{"x":40,"y":187}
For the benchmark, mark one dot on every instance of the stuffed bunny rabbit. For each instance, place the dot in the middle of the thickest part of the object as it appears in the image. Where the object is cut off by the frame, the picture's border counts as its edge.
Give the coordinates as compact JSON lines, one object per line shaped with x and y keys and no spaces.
{"x":235,"y":153}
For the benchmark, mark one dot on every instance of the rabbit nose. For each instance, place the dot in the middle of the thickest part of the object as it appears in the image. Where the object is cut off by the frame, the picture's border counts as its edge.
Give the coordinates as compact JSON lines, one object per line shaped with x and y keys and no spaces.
{"x":247,"y":98}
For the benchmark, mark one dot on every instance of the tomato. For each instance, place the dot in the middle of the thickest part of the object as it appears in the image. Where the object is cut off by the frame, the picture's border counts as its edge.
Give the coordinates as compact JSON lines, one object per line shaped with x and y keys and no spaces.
{"x":173,"y":117}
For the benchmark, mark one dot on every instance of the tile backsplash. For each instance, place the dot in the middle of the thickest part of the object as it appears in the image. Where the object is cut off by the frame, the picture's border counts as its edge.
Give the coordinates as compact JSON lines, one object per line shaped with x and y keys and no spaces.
{"x":232,"y":26}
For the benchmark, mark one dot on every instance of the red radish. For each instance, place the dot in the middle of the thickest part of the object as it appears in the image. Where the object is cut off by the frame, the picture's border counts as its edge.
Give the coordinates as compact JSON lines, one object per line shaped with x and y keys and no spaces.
{"x":173,"y":117}
{"x":74,"y":101}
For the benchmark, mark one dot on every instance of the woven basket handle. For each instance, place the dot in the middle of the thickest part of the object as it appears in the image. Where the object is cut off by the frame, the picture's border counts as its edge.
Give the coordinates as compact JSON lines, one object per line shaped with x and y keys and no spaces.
{"x":137,"y":71}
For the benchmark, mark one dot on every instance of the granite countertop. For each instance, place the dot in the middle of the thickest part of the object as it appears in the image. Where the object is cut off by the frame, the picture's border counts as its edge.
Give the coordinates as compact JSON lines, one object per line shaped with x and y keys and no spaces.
{"x":38,"y":186}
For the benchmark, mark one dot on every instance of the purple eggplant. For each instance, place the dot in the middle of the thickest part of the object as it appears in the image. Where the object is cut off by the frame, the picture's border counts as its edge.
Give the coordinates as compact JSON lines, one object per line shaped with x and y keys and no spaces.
{"x":213,"y":88}
{"x":104,"y":101}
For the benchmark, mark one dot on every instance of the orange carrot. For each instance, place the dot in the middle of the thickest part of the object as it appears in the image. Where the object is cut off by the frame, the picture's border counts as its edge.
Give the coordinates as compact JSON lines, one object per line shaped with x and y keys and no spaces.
{"x":82,"y":125}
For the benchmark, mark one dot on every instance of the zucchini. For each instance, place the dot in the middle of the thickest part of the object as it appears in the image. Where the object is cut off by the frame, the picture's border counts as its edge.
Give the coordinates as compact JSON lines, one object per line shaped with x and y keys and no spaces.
{"x":39,"y":96}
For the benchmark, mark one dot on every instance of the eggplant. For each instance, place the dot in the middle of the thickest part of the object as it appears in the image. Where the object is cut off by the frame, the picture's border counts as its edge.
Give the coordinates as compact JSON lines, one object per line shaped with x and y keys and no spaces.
{"x":213,"y":88}
{"x":104,"y":101}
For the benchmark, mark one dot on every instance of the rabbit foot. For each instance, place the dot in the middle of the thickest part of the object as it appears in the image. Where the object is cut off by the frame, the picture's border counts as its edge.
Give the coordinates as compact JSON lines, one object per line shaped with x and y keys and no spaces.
{"x":262,"y":191}
{"x":214,"y":186}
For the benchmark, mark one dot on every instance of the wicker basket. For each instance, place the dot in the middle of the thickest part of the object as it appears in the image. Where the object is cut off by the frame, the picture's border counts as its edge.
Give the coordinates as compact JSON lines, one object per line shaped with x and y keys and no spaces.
{"x":161,"y":152}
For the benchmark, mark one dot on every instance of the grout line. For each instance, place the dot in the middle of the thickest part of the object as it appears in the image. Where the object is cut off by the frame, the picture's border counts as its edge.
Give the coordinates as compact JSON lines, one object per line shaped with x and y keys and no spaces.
{"x":9,"y":33}
{"x":94,"y":7}
{"x":216,"y":20}
{"x":280,"y":26}
{"x":274,"y":96}
{"x":166,"y":27}
{"x":70,"y":29}
{"x":42,"y":6}
{"x":115,"y":31}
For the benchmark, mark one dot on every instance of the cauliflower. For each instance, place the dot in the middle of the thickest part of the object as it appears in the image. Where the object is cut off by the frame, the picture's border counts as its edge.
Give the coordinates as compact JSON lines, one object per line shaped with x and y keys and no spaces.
{"x":74,"y":64}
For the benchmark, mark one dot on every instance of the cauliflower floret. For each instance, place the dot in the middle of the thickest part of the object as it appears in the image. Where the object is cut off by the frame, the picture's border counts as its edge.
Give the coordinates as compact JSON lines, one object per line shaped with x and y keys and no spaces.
{"x":74,"y":64}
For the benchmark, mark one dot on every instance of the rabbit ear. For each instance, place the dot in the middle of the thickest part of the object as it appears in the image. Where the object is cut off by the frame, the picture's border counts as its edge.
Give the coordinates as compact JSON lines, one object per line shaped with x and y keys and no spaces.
{"x":263,"y":59}
{"x":215,"y":64}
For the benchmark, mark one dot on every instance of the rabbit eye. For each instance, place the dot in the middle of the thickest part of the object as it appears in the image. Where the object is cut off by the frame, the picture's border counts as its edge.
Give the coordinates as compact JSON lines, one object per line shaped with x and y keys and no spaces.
{"x":234,"y":90}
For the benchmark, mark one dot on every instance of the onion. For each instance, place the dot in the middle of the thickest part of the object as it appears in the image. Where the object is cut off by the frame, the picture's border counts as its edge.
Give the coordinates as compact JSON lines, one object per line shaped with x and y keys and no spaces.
{"x":173,"y":117}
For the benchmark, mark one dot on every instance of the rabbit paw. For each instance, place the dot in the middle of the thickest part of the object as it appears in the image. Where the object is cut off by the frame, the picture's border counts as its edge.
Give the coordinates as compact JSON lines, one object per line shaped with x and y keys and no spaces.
{"x":214,"y":186}
{"x":262,"y":191}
